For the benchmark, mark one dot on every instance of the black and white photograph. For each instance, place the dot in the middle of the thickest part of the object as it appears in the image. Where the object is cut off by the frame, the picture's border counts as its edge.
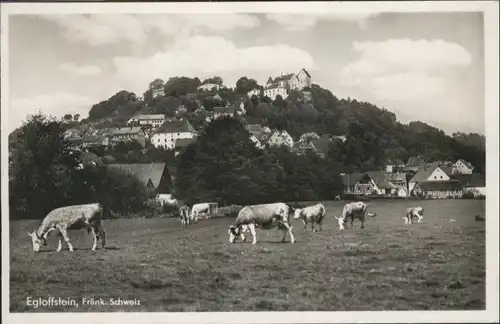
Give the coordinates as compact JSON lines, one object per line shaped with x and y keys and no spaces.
{"x":250,"y":162}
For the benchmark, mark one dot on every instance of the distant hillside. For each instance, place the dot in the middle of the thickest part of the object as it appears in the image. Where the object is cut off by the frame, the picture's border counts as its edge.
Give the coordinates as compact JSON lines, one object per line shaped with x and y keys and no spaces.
{"x":373,"y":135}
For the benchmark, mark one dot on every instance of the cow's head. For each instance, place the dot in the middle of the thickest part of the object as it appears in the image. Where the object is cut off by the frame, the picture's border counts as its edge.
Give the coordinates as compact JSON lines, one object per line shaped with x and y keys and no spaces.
{"x":234,"y":233}
{"x":296,"y":213}
{"x":37,"y":241}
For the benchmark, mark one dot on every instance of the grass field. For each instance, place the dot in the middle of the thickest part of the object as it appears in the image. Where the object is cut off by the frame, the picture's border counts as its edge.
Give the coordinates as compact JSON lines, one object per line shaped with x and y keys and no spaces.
{"x":436,"y":265}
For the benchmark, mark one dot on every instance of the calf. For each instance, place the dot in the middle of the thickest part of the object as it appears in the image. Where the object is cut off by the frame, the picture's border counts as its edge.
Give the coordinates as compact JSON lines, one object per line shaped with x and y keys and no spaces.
{"x":266,"y":216}
{"x":87,"y":216}
{"x":354,"y":210}
{"x":412,"y":212}
{"x":312,"y":214}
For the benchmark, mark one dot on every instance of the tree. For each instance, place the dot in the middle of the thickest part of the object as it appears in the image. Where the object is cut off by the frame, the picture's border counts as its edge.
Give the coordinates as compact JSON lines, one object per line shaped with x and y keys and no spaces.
{"x":68,"y":117}
{"x":39,"y":168}
{"x":156,"y":84}
{"x":244,"y":85}
{"x":76,"y":117}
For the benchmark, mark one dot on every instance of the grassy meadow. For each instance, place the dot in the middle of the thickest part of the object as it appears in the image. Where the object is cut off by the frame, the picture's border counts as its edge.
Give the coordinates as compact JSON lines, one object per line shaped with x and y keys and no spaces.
{"x":436,"y":265}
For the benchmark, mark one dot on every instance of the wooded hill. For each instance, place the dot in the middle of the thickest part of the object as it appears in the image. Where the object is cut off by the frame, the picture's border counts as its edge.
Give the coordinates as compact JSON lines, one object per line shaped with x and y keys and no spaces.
{"x":374,"y":134}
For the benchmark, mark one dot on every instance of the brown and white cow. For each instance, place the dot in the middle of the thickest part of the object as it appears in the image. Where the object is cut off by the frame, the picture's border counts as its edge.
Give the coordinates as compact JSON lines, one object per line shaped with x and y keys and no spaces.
{"x":311,"y":215}
{"x":414,"y":212}
{"x":354,"y":210}
{"x":265,"y":216}
{"x":87,"y":216}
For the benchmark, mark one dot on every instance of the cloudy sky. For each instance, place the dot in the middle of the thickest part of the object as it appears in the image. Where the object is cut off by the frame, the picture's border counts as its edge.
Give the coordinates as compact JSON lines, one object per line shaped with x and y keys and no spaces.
{"x":422,"y":66}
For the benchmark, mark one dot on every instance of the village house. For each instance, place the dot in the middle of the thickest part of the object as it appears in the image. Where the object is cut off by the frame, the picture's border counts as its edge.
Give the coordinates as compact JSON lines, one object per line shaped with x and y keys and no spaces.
{"x":376,"y":183}
{"x":434,"y":181}
{"x":297,"y":81}
{"x":170,"y":131}
{"x":303,"y":147}
{"x":278,"y":138}
{"x":220,"y":112}
{"x":358,"y":183}
{"x":439,"y":189}
{"x":462,"y":167}
{"x":275,"y":90}
{"x":253,"y":92}
{"x":394,"y":165}
{"x":126,"y":134}
{"x":147,"y":120}
{"x":209,"y":85}
{"x":155,"y":176}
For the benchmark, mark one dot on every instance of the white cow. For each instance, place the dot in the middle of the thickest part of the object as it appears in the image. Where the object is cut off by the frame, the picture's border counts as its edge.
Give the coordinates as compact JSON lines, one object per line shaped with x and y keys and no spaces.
{"x":265,"y":216}
{"x":354,"y":210}
{"x":87,"y":216}
{"x":312,"y":214}
{"x":412,"y":212}
{"x":197,"y":209}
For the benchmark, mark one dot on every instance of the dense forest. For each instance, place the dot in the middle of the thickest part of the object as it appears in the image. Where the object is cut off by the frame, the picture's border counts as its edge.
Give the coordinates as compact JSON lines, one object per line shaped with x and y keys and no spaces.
{"x":223,"y":165}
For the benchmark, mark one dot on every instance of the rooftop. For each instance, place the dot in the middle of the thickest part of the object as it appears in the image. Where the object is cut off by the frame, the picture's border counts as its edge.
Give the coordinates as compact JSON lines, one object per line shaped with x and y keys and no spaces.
{"x":125,"y":131}
{"x":176,"y":126}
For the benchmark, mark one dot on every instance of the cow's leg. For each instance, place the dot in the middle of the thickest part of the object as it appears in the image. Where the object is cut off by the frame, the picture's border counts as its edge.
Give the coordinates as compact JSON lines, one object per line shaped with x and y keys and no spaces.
{"x":312,"y":226}
{"x":251,"y":227}
{"x":341,"y":224}
{"x":352,"y":221}
{"x":59,"y":246}
{"x":64,"y":233}
{"x":289,"y":230}
{"x":95,"y":232}
{"x":305,"y":224}
{"x":102,"y":236}
{"x":419,"y":218}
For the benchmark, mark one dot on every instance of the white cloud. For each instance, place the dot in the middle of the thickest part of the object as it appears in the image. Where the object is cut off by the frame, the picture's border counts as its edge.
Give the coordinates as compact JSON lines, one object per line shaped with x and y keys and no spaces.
{"x":204,"y":56}
{"x":297,"y":22}
{"x":100,"y":29}
{"x":55,"y":104}
{"x":84,"y":70}
{"x":402,"y":69}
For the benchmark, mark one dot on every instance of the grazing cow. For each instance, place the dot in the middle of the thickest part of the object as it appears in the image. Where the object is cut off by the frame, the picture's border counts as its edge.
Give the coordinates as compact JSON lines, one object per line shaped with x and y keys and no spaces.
{"x":266,"y":216}
{"x":184,"y":215}
{"x":312,"y":214}
{"x":354,"y":210}
{"x":479,"y":218}
{"x":87,"y":216}
{"x":412,"y":212}
{"x":203,"y":208}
